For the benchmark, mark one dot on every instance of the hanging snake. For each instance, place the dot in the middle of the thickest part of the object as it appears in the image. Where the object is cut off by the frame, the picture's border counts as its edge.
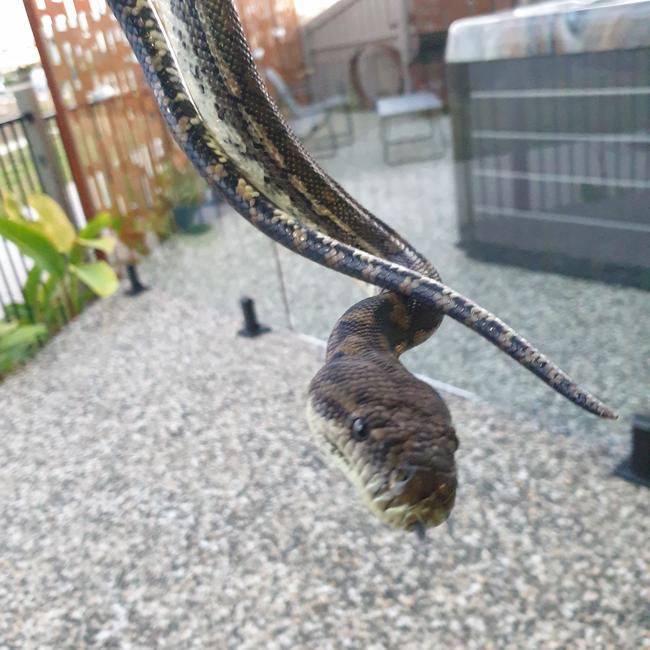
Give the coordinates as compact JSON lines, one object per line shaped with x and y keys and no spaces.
{"x":390,"y":432}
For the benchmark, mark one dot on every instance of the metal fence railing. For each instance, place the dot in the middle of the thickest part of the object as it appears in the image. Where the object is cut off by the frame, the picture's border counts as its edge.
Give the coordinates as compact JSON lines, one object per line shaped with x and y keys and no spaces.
{"x":19,"y":178}
{"x":18,"y":174}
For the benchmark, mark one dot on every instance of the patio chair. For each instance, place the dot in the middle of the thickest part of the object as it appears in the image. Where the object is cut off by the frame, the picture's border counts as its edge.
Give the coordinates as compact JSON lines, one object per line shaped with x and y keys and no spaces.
{"x":406,"y":107}
{"x":301,"y":114}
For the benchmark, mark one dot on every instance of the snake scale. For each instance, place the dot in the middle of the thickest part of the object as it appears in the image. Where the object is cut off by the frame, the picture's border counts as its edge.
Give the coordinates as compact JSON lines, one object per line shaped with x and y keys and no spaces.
{"x":390,"y":432}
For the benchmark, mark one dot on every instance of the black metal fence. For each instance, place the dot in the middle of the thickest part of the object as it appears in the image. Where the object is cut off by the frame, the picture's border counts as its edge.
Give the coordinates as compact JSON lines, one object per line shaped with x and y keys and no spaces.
{"x":553,"y":160}
{"x":20,"y":176}
{"x":17,"y":169}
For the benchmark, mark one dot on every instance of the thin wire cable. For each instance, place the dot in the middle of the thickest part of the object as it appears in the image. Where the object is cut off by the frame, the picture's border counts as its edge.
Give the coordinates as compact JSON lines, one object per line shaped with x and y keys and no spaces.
{"x":283,"y":288}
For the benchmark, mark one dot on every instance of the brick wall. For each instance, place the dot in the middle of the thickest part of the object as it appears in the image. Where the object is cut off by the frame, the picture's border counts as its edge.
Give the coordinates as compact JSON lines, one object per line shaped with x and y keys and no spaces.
{"x":437,"y":15}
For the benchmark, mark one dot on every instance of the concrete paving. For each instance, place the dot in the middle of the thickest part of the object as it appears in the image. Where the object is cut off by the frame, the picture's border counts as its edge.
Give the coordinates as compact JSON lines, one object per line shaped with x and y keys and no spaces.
{"x":159,"y":489}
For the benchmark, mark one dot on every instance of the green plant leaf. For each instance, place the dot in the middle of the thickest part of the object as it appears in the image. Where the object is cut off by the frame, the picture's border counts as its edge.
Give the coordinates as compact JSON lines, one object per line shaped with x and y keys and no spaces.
{"x":19,"y":311}
{"x":22,"y":335}
{"x":30,"y":289}
{"x":98,"y":276}
{"x":12,"y":208}
{"x":53,"y":311}
{"x":50,"y":289}
{"x":94,"y":228}
{"x":8,"y":328}
{"x":77,"y":254}
{"x":5,"y":364}
{"x":14,"y":356}
{"x":105,"y":244}
{"x":34,"y":245}
{"x":56,"y":225}
{"x":73,"y":286}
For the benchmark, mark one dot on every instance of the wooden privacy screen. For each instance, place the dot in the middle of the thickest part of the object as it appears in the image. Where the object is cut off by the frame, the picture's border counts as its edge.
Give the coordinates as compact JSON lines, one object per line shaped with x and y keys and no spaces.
{"x":273,"y":32}
{"x":118,"y":132}
{"x":122,"y":142}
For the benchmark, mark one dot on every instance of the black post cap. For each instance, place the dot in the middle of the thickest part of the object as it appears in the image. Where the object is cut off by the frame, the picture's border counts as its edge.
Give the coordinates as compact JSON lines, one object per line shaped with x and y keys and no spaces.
{"x":252,"y":326}
{"x":636,"y":468}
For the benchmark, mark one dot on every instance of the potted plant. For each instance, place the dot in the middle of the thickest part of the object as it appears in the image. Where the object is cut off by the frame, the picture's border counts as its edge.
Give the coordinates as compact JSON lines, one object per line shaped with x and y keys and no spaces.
{"x":184,"y":194}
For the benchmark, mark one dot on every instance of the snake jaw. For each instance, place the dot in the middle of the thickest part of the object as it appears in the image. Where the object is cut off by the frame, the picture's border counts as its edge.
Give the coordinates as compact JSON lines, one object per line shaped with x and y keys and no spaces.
{"x":403,"y":507}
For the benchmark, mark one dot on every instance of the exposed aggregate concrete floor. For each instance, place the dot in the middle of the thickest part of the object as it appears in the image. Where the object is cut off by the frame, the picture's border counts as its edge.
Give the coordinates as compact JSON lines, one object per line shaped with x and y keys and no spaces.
{"x":159,"y":489}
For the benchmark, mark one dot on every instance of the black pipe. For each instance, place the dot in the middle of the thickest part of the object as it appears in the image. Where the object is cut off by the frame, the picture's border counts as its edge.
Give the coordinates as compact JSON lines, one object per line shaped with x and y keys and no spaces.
{"x":136,"y":285}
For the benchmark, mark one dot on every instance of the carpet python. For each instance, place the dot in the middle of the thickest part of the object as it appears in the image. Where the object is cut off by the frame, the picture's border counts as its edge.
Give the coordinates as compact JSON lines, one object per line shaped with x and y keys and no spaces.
{"x":390,"y":432}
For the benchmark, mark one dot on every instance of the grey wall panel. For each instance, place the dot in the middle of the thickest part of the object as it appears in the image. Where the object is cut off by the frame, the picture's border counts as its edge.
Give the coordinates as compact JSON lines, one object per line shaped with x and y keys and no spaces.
{"x":333,"y":37}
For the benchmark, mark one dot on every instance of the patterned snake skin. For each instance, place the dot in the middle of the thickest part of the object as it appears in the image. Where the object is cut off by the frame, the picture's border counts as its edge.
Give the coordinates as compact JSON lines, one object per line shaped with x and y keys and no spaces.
{"x":390,"y":432}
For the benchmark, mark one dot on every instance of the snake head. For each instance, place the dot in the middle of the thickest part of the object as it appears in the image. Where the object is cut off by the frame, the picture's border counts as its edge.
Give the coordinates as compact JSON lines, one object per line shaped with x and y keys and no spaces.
{"x":391,"y":434}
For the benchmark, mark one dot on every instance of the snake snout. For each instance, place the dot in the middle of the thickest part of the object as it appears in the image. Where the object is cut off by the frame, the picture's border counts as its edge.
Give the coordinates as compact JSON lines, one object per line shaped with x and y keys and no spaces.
{"x":429,"y":495}
{"x":415,"y":484}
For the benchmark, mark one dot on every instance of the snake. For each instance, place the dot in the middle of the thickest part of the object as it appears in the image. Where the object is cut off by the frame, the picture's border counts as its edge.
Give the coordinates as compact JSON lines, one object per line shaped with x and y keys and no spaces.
{"x":390,"y":432}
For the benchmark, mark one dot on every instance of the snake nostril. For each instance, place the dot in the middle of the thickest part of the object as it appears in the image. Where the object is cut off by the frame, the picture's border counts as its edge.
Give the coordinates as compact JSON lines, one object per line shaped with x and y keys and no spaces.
{"x":403,"y":475}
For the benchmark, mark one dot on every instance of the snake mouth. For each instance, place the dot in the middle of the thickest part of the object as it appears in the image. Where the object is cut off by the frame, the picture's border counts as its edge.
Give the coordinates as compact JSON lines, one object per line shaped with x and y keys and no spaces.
{"x":425,"y":501}
{"x":428,"y":513}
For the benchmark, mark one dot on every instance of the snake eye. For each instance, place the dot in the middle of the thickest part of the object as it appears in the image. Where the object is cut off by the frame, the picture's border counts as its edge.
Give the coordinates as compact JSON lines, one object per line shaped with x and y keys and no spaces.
{"x":360,"y":429}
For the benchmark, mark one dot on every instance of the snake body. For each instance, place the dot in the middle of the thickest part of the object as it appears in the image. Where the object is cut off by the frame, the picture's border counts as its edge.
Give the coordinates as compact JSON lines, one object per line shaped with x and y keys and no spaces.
{"x":391,"y":432}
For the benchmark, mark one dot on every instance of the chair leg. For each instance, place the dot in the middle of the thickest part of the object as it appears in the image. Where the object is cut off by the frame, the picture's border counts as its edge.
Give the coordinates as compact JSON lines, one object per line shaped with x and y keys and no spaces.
{"x":437,"y":119}
{"x":329,"y":140}
{"x":330,"y":130}
{"x":349,"y":122}
{"x":383,"y":129}
{"x":347,"y":136}
{"x":434,"y":134}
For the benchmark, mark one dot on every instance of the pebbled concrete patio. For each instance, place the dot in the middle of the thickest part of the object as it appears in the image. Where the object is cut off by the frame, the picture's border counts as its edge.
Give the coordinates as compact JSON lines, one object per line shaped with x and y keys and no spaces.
{"x":159,"y":489}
